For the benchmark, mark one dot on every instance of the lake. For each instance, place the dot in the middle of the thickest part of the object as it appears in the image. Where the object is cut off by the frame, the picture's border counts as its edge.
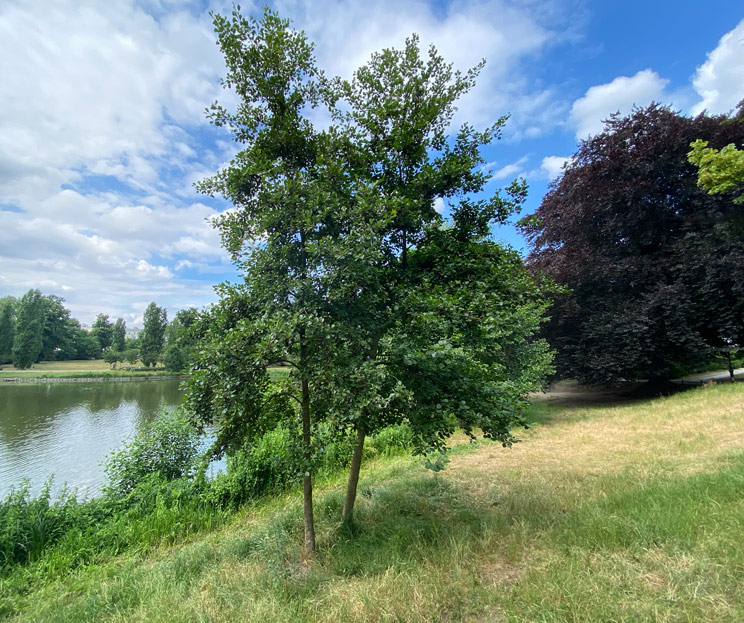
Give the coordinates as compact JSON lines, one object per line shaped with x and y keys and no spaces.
{"x":68,"y":429}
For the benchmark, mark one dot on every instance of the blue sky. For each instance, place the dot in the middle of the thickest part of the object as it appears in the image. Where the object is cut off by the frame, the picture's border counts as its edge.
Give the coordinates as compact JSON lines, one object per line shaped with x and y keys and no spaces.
{"x":102,"y":131}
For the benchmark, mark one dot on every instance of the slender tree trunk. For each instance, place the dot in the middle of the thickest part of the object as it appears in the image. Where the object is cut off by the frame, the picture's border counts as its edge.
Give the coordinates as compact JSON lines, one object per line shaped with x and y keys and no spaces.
{"x":730,"y":366}
{"x":351,"y":487}
{"x":356,"y":459}
{"x":308,"y":479}
{"x":307,"y":483}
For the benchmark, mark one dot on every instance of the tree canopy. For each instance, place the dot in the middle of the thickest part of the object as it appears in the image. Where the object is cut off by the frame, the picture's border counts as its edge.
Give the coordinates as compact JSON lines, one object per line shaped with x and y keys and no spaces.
{"x":652,"y":261}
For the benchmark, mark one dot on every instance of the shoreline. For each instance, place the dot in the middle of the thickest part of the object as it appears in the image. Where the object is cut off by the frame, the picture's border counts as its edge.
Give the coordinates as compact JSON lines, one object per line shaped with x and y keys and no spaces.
{"x":90,"y":379}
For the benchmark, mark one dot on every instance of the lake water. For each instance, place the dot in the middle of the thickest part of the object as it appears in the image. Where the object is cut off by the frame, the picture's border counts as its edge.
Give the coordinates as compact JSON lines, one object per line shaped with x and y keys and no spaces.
{"x":68,"y":429}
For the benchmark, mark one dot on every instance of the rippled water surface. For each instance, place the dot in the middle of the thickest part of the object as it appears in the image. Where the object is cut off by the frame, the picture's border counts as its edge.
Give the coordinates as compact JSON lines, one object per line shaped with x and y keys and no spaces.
{"x":68,"y":429}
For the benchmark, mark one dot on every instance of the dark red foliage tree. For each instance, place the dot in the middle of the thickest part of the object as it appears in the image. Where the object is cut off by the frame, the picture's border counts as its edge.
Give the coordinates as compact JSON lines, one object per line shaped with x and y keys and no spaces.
{"x":655,"y":265}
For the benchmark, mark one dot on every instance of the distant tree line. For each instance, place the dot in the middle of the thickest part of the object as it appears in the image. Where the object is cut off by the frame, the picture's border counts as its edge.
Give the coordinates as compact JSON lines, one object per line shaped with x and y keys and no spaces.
{"x":38,"y":327}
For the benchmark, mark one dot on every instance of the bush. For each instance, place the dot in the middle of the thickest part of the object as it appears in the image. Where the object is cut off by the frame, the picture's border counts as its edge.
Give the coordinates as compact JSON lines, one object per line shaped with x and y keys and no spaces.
{"x":174,"y":360}
{"x":169,"y":446}
{"x":268,"y":465}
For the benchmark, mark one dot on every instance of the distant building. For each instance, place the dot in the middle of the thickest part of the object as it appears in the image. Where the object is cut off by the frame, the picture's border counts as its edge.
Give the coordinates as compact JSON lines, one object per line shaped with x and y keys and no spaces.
{"x":132,"y":333}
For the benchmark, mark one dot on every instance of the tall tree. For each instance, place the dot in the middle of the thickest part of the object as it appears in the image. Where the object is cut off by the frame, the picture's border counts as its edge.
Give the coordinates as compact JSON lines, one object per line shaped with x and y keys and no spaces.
{"x":651,"y":259}
{"x":27,"y":346}
{"x":152,"y":338}
{"x":277,"y":185}
{"x":119,"y":335}
{"x":57,"y":329}
{"x":83,"y":344}
{"x":7,"y":328}
{"x":401,"y":105}
{"x":339,"y":287}
{"x":103,"y":331}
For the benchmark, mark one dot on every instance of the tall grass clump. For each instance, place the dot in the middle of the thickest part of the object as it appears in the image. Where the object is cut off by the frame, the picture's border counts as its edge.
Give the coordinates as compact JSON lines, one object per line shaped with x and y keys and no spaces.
{"x":30,"y":525}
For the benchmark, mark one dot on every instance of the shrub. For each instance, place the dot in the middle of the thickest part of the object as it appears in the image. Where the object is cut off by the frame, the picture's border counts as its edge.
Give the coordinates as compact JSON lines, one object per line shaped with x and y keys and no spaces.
{"x":174,"y":360}
{"x":169,"y":446}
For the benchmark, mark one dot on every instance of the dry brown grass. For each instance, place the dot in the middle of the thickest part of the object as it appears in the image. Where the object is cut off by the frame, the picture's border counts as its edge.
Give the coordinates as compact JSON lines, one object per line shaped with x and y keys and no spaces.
{"x":683,"y":436}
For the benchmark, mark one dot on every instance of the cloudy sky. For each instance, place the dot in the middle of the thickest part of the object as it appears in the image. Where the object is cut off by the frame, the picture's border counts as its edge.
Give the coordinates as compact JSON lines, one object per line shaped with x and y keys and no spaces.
{"x":102,"y":129}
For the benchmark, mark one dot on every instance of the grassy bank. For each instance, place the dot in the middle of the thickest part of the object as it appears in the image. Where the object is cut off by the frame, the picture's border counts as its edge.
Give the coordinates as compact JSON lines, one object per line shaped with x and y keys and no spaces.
{"x":620,"y":512}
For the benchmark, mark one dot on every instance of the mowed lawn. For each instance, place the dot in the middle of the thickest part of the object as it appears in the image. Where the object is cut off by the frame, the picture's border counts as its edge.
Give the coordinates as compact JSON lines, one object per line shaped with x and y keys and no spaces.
{"x":627,"y":512}
{"x":65,"y":368}
{"x":77,"y":365}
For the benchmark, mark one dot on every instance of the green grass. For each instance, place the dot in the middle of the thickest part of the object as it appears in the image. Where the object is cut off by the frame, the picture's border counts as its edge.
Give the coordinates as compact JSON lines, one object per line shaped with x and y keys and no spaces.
{"x":94,"y":368}
{"x":623,"y":512}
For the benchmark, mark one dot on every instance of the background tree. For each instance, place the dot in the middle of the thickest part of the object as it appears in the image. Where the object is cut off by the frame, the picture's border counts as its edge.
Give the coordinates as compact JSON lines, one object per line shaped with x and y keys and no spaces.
{"x":119,"y":335}
{"x":57,"y":336}
{"x":85,"y":345}
{"x":152,"y":338}
{"x":7,"y":328}
{"x":112,"y":356}
{"x":652,"y":260}
{"x":131,"y":355}
{"x":103,"y":331}
{"x":174,"y":360}
{"x":31,"y":318}
{"x":179,"y":337}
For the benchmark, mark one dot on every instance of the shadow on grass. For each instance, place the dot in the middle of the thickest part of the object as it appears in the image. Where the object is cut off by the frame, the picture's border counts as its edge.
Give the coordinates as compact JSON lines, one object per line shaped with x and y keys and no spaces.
{"x":424,"y":521}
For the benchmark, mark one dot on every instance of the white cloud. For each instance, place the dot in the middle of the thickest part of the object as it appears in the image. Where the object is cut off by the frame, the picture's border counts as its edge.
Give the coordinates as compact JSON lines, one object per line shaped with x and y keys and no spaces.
{"x":510,"y":170}
{"x":504,"y":33}
{"x":102,"y":103}
{"x":720,"y":80}
{"x":599,"y":102}
{"x":552,"y":166}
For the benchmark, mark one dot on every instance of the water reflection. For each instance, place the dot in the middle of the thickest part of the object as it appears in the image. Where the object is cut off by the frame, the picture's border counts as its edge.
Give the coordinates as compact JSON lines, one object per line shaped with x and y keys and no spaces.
{"x":67,"y":429}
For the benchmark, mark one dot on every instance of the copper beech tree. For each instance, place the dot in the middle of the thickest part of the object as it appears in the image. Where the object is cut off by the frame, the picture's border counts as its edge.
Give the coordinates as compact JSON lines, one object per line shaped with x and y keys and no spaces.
{"x":652,"y":261}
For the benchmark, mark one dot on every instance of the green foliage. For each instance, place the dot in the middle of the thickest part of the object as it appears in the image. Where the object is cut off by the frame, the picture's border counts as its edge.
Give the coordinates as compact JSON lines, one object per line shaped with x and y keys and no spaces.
{"x":345,"y":290}
{"x":103,"y":331}
{"x":7,"y":328}
{"x":56,"y":338}
{"x":86,"y":345}
{"x":152,"y":338}
{"x":131,"y":356}
{"x":29,"y":525}
{"x":118,"y":335}
{"x":112,"y":356}
{"x":174,"y":360}
{"x":720,"y":171}
{"x":181,"y":340}
{"x":167,"y":446}
{"x":392,"y":440}
{"x":28,"y":344}
{"x":267,"y":466}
